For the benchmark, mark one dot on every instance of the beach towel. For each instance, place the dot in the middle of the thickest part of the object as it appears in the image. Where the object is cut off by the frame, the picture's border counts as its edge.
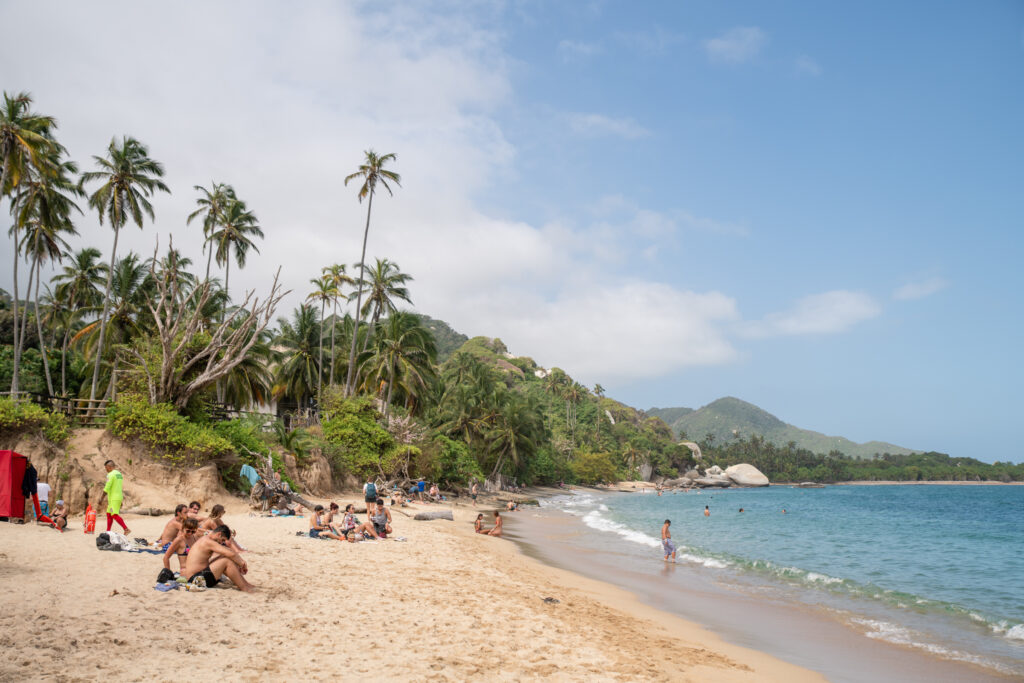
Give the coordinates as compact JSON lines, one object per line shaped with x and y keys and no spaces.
{"x":250,"y":474}
{"x":168,"y":586}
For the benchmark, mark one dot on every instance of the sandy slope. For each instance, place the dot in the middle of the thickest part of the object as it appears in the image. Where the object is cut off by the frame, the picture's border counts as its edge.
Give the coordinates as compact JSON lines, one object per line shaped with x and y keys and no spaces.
{"x":446,"y":605}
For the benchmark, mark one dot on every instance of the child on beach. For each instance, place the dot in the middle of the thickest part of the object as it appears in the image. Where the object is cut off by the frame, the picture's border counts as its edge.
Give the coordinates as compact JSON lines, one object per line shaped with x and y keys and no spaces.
{"x":666,"y":541}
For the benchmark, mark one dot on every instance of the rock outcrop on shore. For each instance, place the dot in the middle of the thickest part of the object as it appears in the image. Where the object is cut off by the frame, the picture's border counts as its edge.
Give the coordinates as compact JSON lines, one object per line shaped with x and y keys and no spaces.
{"x":746,"y":475}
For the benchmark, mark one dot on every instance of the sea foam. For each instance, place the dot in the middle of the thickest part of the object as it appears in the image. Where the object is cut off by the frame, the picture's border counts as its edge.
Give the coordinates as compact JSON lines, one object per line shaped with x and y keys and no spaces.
{"x":595,"y":520}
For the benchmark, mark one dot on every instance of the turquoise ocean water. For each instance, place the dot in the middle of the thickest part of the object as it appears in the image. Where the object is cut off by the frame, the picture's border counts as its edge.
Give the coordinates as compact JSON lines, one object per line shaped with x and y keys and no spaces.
{"x":939,"y":569}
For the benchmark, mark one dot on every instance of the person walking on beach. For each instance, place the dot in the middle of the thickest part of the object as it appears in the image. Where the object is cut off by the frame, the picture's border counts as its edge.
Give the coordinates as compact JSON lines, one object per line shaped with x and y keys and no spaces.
{"x":114,"y":491}
{"x":666,"y":541}
{"x":473,"y":493}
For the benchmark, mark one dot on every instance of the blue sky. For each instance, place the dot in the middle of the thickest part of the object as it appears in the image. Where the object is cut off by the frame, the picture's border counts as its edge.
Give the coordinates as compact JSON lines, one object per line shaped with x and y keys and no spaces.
{"x":810,"y":206}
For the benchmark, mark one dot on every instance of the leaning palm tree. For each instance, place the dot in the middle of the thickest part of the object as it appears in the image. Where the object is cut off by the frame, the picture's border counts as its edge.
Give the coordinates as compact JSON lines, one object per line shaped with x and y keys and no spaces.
{"x":78,"y":287}
{"x":234,"y":233}
{"x":339,"y":278}
{"x":211,"y":207}
{"x":129,"y":177}
{"x":323,"y":291}
{"x":372,"y":172}
{"x":43,"y":208}
{"x":25,"y":141}
{"x":386,"y":284}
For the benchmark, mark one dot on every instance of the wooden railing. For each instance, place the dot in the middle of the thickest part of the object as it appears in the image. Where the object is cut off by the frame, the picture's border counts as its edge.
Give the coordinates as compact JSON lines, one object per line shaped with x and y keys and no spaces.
{"x":84,"y":411}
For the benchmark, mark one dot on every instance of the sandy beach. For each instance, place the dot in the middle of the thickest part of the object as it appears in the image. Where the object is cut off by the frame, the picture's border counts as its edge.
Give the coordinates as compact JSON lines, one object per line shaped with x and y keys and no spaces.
{"x":446,"y":604}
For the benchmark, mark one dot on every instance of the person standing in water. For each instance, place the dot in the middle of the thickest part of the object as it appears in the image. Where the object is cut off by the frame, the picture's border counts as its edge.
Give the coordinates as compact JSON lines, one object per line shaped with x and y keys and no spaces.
{"x":666,"y":541}
{"x":707,"y":512}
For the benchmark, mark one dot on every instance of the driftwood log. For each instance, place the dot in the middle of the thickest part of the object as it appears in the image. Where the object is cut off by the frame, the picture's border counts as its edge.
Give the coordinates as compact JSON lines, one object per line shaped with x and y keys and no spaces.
{"x":434,"y":514}
{"x":268,"y":492}
{"x":152,"y":512}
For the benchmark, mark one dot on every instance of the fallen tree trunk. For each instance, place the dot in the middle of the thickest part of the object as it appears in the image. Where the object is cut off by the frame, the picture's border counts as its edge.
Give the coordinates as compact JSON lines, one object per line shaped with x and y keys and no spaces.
{"x":152,"y":512}
{"x":427,"y":515}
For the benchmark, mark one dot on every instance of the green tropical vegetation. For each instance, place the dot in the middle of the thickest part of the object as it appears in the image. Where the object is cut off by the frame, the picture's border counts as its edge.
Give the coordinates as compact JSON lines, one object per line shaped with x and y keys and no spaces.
{"x":193,"y":374}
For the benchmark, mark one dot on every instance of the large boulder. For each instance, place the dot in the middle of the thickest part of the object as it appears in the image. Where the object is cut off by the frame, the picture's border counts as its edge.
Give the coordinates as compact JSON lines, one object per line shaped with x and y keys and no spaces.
{"x":746,"y":475}
{"x":719,"y":481}
{"x":692,"y":474}
{"x":713,"y":471}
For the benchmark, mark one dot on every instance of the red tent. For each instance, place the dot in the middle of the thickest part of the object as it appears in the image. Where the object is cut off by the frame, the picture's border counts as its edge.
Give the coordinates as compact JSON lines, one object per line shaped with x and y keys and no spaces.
{"x":12,"y":470}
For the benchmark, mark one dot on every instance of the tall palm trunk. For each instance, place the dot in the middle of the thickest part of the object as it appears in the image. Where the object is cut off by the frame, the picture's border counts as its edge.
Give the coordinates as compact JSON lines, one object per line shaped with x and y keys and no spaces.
{"x":334,"y":324}
{"x":209,"y":258}
{"x":349,"y":381}
{"x":24,"y":317}
{"x":103,"y":318}
{"x":227,"y":278}
{"x":42,"y":339}
{"x":17,"y":356}
{"x":320,"y":362}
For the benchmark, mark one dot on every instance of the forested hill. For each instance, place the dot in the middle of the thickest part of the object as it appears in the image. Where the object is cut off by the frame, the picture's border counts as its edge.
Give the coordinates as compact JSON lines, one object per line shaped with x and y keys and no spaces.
{"x":730,"y":418}
{"x":446,"y":339}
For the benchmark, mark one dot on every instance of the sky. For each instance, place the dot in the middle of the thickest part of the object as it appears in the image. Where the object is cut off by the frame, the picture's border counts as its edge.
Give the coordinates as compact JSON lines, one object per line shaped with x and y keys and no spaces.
{"x":814,"y":207}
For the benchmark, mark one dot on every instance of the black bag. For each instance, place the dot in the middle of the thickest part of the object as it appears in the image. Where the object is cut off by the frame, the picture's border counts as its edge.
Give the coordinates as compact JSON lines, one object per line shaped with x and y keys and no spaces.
{"x":165,"y":576}
{"x":102,"y":540}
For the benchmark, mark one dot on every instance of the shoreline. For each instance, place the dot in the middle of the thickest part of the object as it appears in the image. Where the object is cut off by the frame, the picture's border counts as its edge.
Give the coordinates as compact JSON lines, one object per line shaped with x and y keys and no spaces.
{"x":450,"y":604}
{"x":799,"y":633}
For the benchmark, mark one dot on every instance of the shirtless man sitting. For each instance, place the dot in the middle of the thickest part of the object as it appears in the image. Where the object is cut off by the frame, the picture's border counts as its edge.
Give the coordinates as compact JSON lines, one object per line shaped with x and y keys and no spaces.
{"x":173,"y":527}
{"x":211,"y":559}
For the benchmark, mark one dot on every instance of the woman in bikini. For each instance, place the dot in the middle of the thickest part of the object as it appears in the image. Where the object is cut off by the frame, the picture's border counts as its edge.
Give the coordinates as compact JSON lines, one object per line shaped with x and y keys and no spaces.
{"x":182,"y":542}
{"x":318,"y":527}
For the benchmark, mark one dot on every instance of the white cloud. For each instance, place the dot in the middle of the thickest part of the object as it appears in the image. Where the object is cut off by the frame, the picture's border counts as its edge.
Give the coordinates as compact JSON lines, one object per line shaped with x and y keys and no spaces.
{"x":571,"y":50}
{"x":597,"y":125}
{"x":807,"y":65}
{"x":281,"y":102}
{"x":826,"y":313}
{"x":655,"y":41}
{"x":919,"y":290}
{"x":736,"y":46}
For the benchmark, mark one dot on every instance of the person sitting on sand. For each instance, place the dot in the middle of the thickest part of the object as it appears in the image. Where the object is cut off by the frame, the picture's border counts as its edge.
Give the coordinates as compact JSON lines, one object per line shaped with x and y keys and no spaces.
{"x":478,"y":525}
{"x":512,"y":506}
{"x":173,"y":527}
{"x":214,"y":520}
{"x":381,"y":519}
{"x":666,"y":541}
{"x":210,"y":559}
{"x":59,"y":516}
{"x":496,"y":531}
{"x":318,"y":526}
{"x":181,"y":544}
{"x":352,"y":529}
{"x":194,"y":509}
{"x":435,"y":493}
{"x":332,"y":510}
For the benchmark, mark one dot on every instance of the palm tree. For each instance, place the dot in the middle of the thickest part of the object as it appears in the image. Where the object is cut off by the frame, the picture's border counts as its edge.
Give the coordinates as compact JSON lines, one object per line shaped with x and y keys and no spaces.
{"x":237,"y":227}
{"x":296,"y":375}
{"x":43,"y":207}
{"x":130,"y":290}
{"x":372,"y":171}
{"x":403,"y":359}
{"x":78,"y":287}
{"x":25,"y":141}
{"x":129,"y":177}
{"x":339,"y":278}
{"x":211,"y":207}
{"x":323,"y":292}
{"x":386,"y":284}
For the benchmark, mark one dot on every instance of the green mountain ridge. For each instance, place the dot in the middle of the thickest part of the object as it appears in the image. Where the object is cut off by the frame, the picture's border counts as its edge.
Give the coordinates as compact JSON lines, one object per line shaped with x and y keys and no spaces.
{"x":730,"y":418}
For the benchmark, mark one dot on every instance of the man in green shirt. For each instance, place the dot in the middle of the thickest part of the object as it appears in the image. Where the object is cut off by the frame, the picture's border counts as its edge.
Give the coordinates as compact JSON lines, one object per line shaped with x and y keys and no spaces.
{"x":114,"y":492}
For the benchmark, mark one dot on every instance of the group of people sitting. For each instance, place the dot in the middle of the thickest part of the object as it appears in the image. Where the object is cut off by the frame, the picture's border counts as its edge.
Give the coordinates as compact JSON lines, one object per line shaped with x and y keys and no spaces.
{"x":376,"y":527}
{"x":495,"y":530}
{"x":204,"y":547}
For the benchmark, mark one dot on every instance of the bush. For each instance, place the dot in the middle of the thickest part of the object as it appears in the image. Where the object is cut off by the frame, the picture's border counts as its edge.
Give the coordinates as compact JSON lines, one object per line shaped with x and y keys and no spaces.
{"x":20,"y":418}
{"x":360,"y":442}
{"x":168,"y":434}
{"x":594,"y":468}
{"x":454,"y":464}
